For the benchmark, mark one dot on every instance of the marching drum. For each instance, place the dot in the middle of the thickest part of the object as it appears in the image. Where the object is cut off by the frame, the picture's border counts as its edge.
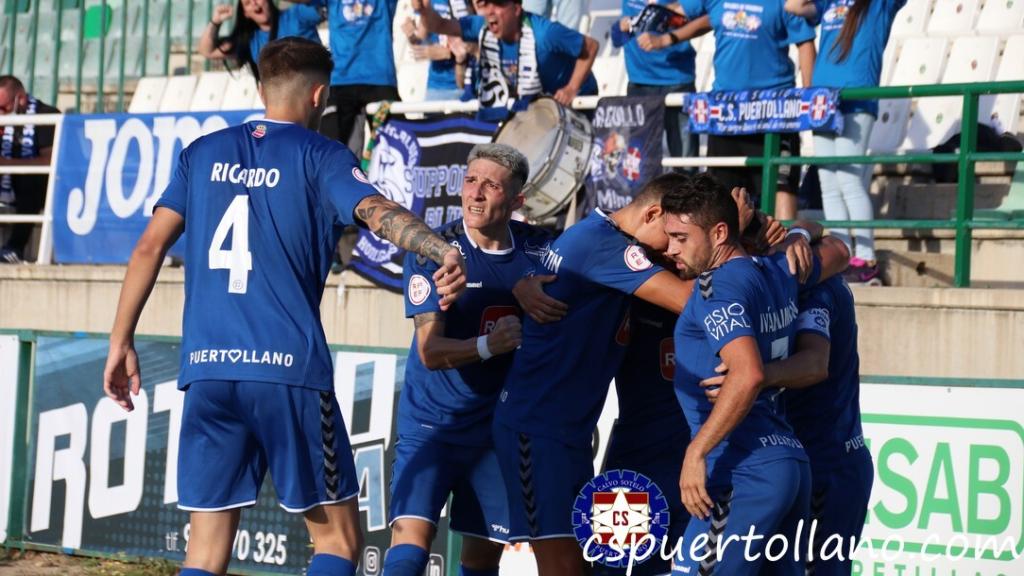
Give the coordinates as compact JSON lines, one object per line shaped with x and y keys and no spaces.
{"x":556,"y":140}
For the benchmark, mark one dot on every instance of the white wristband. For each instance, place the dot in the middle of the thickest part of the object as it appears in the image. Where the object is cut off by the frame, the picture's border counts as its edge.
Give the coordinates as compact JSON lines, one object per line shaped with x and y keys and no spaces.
{"x":482,"y":349}
{"x":800,"y":231}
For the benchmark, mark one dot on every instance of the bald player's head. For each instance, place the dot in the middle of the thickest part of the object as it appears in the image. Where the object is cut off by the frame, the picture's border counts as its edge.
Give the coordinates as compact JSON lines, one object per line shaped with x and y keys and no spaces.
{"x":294,"y":75}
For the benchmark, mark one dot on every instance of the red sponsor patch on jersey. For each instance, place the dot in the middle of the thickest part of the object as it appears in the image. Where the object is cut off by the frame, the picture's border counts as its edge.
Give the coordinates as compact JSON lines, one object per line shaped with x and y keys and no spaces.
{"x":260,"y":131}
{"x":667,"y":359}
{"x":492,"y":314}
{"x":622,"y":336}
{"x":359,"y":176}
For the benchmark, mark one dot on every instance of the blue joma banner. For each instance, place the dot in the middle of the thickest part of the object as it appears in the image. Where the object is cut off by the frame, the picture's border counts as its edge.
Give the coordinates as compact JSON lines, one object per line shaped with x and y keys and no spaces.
{"x":758,"y":111}
{"x":111,"y":170}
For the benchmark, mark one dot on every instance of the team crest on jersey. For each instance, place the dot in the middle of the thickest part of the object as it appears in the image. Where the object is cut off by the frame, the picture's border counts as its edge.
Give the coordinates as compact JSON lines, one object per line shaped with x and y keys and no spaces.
{"x":636,"y":259}
{"x":419,"y":289}
{"x":359,"y":176}
{"x":260,"y":131}
{"x":492,"y":314}
{"x":622,"y":334}
{"x":618,"y":515}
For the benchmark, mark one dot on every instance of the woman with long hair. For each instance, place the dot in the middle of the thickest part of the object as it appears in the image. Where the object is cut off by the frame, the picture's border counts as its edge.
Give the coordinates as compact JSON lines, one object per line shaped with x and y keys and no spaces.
{"x":853,"y":38}
{"x":257,"y":22}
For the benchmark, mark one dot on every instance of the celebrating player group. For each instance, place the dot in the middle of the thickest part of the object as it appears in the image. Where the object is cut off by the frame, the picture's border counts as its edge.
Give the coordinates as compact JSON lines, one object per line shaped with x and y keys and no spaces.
{"x":732,"y":343}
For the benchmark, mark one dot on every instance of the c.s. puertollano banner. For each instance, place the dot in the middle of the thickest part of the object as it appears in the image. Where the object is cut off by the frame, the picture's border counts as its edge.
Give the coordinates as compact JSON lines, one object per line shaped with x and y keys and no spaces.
{"x":112,"y":169}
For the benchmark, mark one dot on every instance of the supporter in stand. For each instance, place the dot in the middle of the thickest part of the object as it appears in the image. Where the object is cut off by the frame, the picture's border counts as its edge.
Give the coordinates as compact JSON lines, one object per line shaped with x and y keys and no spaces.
{"x":21,"y":146}
{"x":853,"y":37}
{"x":257,"y":22}
{"x":521,"y":54}
{"x":449,"y":56}
{"x":752,"y":53}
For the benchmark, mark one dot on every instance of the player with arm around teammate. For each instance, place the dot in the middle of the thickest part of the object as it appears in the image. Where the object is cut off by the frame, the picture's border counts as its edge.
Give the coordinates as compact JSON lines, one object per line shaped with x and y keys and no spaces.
{"x":744,"y":468}
{"x":457,"y":365}
{"x":264,"y":203}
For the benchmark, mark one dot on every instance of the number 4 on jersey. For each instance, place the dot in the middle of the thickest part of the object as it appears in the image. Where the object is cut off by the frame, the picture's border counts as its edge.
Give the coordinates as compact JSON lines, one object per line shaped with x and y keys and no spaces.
{"x":236,"y":259}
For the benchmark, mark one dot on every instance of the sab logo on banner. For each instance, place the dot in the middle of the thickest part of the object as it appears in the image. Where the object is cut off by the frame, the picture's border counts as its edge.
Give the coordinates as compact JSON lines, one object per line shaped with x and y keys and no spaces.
{"x":112,"y":169}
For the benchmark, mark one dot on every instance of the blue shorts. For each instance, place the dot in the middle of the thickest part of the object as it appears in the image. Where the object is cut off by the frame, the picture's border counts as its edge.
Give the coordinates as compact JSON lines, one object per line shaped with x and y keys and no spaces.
{"x":426,"y":471}
{"x":772,"y":497}
{"x":661,"y":462}
{"x":542,"y":479}
{"x":232,"y":432}
{"x":839,"y":505}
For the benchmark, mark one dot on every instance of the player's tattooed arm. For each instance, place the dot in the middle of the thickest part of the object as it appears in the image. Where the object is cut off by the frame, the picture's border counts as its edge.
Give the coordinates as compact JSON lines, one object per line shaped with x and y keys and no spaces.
{"x":439,"y":352}
{"x":393,"y":222}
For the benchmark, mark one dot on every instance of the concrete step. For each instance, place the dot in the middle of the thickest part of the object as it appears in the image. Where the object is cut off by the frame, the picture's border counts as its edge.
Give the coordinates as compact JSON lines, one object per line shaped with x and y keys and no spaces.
{"x":916,"y":259}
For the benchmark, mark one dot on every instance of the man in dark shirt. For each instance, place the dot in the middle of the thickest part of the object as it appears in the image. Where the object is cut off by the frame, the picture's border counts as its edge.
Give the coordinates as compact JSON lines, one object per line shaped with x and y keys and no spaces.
{"x":22,"y":146}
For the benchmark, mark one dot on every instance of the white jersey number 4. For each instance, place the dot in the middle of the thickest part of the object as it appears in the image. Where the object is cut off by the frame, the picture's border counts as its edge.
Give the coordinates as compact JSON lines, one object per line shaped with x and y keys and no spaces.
{"x":236,"y":259}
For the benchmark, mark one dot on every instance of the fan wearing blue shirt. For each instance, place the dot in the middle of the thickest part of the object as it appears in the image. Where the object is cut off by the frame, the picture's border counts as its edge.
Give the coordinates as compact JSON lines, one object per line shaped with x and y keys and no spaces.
{"x":752,"y":40}
{"x":650,"y":434}
{"x":854,"y":34}
{"x":822,"y":403}
{"x":521,"y":55}
{"x":256,"y":23}
{"x":448,"y":55}
{"x":548,"y":409}
{"x":744,"y":468}
{"x":265,"y":203}
{"x":457,"y":364}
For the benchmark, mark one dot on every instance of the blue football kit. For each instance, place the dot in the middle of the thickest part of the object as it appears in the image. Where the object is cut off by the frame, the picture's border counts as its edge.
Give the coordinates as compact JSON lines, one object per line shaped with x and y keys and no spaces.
{"x":264,"y":204}
{"x":445,"y":416}
{"x":650,"y":434}
{"x":752,"y":39}
{"x":667,"y":67}
{"x":758,"y":475}
{"x":555,"y":390}
{"x":826,"y":419}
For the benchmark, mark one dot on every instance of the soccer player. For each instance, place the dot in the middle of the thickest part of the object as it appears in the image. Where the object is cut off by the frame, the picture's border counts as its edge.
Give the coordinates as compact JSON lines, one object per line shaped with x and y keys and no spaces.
{"x":823,"y":405}
{"x":743,"y":312}
{"x":264,"y":203}
{"x":457,"y":364}
{"x":548,"y":409}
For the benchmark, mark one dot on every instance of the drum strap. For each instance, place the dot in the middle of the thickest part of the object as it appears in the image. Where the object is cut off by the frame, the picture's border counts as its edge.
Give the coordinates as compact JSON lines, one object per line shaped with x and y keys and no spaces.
{"x":495,"y":88}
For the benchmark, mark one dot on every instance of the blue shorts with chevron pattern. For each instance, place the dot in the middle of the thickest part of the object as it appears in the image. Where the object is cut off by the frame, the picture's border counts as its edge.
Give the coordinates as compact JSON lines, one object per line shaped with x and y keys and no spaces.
{"x":542,"y":478}
{"x":770,"y":498}
{"x":233,"y":432}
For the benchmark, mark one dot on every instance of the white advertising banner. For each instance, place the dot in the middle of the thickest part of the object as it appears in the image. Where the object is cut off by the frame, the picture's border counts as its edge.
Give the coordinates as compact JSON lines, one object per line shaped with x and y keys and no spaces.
{"x":8,"y":409}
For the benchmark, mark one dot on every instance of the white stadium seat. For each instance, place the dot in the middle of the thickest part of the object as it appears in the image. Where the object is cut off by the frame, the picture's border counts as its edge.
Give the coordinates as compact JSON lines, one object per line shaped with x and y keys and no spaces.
{"x":240,"y":92}
{"x":920,"y":62}
{"x":148,"y":93}
{"x":892,"y":49}
{"x":210,"y":91}
{"x":610,"y":72}
{"x":1001,"y":17}
{"x":1004,"y":109}
{"x":972,"y":59}
{"x":912,"y":19}
{"x":953,"y":17}
{"x":601,"y":24}
{"x":412,"y":80}
{"x":705,"y":64}
{"x":178,"y":93}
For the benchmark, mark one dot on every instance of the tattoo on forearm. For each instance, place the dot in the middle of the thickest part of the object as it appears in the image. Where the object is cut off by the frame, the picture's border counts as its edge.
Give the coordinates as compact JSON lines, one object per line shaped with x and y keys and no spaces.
{"x":426,"y":318}
{"x":402,"y":228}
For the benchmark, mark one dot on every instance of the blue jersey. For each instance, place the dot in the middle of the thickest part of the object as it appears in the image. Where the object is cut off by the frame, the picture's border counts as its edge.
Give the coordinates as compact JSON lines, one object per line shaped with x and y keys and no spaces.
{"x":456,"y":405}
{"x":863,"y":66}
{"x":752,"y":39}
{"x":441,"y":75}
{"x":754,"y":297}
{"x":826,"y":416}
{"x":361,"y":42}
{"x":560,"y":376}
{"x":648,"y":410}
{"x":264,"y":204}
{"x":667,"y":67}
{"x":558,"y":48}
{"x":300,"y":20}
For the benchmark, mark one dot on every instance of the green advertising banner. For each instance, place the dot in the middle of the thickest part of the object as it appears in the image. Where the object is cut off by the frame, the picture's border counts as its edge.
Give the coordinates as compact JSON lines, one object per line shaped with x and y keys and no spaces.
{"x":104,"y":480}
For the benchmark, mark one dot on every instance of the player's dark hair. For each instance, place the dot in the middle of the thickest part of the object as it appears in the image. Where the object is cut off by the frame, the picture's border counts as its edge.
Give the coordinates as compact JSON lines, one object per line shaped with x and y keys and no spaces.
{"x":281,"y":60}
{"x":705,"y":201}
{"x":854,"y":19}
{"x":655,"y":189}
{"x":236,"y":44}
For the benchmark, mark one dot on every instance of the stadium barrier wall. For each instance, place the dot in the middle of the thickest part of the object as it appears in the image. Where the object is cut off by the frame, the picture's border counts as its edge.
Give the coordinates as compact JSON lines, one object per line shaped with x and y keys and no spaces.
{"x":81,"y":476}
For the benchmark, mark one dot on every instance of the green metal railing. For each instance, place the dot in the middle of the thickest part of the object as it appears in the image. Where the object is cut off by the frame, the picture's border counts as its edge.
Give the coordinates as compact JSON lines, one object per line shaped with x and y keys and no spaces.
{"x":963,"y":222}
{"x":96,"y":23}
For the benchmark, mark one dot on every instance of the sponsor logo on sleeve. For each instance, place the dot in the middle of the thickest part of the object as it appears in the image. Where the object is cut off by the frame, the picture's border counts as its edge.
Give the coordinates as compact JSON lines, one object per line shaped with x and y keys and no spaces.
{"x":636,"y":259}
{"x":419,"y":289}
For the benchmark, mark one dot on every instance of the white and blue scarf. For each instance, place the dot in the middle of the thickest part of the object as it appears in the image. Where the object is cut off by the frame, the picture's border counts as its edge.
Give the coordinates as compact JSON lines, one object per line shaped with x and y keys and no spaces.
{"x":28,"y":149}
{"x":495,"y":89}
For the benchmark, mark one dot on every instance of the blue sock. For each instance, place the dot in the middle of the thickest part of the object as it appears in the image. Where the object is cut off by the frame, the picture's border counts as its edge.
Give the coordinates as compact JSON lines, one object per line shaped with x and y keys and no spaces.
{"x":405,"y":560}
{"x":195,"y":572}
{"x":463,"y":571}
{"x":330,"y":565}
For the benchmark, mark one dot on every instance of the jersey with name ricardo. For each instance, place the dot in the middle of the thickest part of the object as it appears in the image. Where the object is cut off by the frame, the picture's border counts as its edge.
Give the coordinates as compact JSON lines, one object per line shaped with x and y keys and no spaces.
{"x":264,"y":204}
